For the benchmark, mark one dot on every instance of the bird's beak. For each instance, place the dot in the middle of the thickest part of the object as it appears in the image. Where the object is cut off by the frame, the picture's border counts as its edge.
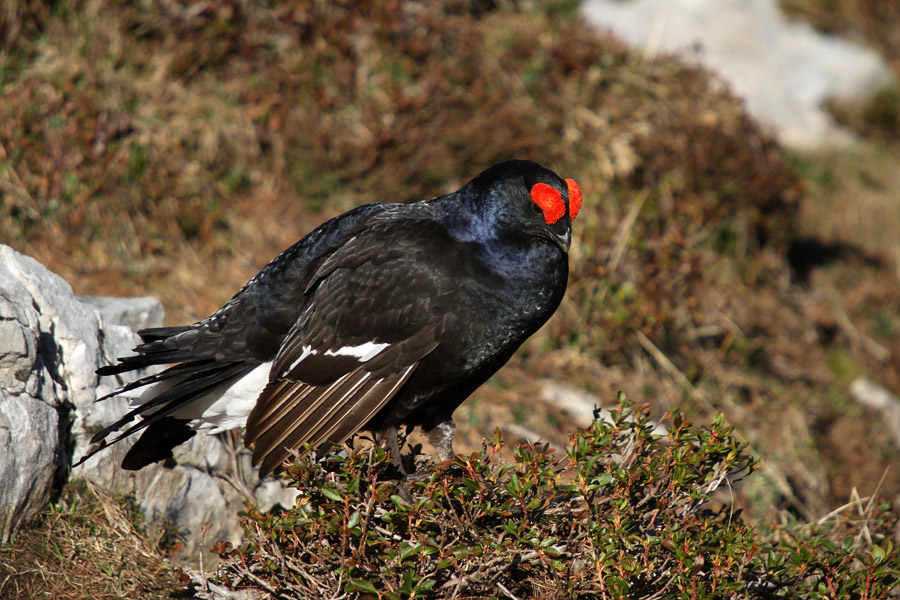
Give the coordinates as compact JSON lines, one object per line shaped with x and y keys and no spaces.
{"x":563,"y":241}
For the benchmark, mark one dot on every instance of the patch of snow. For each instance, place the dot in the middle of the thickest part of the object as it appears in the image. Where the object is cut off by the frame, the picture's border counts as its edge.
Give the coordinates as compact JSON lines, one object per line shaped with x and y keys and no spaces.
{"x":783,"y":70}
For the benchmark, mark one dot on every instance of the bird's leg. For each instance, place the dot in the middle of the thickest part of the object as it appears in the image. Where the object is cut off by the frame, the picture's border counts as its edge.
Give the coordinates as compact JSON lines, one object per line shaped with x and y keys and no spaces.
{"x":392,"y":435}
{"x":441,"y":437}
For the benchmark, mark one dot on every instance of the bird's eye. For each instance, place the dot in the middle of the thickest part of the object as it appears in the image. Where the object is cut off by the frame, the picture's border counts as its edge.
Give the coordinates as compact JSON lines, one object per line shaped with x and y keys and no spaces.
{"x":550,"y":202}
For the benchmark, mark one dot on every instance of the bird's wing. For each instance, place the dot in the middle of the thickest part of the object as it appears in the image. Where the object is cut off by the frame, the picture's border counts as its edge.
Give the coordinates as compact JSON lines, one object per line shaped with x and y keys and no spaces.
{"x":377,"y":307}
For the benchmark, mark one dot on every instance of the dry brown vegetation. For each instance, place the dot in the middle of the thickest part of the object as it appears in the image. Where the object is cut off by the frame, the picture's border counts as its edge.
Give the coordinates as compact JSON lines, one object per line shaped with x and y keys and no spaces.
{"x":173,"y":148}
{"x":85,"y":546}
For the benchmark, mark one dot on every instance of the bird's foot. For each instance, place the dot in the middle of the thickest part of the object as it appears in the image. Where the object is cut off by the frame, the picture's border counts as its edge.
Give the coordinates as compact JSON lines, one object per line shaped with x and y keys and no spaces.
{"x":419,"y":467}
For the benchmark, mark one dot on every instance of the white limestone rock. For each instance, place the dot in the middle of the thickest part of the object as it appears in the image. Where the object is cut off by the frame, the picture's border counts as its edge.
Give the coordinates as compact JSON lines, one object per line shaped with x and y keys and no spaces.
{"x":51,"y":344}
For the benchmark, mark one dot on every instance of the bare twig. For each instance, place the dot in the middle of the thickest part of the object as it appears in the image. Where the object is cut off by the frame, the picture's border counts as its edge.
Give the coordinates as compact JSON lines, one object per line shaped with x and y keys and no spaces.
{"x":506,"y":591}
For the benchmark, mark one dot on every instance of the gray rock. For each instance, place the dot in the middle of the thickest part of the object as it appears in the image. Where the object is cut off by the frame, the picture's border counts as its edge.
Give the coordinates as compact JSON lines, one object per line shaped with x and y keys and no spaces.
{"x":51,"y":344}
{"x":133,"y":313}
{"x":784,"y":70}
{"x":871,"y":395}
{"x":37,"y":389}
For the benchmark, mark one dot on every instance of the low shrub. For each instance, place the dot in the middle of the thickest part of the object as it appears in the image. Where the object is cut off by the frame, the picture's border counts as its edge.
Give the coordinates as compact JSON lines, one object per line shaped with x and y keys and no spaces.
{"x":623,"y":513}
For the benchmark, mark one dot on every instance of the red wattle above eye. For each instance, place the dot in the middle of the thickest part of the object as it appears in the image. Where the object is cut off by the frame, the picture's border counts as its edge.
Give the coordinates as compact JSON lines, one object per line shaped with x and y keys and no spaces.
{"x":550,"y":201}
{"x":574,"y":198}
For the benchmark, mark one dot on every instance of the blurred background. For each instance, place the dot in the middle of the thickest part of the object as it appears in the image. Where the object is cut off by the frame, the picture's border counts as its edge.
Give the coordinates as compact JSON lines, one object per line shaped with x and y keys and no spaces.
{"x":723,"y":262}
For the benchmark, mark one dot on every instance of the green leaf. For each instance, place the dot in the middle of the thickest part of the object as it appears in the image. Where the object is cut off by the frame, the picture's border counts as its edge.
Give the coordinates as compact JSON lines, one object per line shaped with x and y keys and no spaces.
{"x":601,"y":480}
{"x":399,"y":502}
{"x":362,"y":585}
{"x":331,"y":494}
{"x":353,"y":521}
{"x":407,"y":549}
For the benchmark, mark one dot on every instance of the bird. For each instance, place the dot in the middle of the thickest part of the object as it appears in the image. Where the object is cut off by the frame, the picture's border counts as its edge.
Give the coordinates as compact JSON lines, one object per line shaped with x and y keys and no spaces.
{"x":386,"y":316}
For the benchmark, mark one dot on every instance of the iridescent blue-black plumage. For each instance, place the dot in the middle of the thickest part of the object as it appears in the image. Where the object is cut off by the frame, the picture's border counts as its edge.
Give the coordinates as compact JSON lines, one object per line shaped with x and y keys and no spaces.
{"x":387,"y":315}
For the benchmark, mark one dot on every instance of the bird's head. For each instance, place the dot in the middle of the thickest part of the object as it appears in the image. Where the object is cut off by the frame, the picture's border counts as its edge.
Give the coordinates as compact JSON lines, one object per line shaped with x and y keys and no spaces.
{"x":519,"y":198}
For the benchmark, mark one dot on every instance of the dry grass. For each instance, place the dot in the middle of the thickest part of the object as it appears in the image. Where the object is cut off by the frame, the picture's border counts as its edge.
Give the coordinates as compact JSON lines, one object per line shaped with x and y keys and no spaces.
{"x":85,"y":546}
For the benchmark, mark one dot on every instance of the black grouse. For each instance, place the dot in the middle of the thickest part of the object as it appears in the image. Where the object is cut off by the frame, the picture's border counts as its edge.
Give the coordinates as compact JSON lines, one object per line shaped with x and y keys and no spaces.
{"x":387,"y":315}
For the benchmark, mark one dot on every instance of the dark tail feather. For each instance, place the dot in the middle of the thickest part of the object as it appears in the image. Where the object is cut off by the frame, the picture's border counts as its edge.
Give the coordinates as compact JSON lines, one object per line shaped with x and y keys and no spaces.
{"x":149,"y":356}
{"x":194,"y":385}
{"x":129,"y":363}
{"x":154,"y":334}
{"x":157,"y":442}
{"x":172,"y":372}
{"x":191,"y":375}
{"x":159,"y":348}
{"x":201,"y":381}
{"x":94,"y":449}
